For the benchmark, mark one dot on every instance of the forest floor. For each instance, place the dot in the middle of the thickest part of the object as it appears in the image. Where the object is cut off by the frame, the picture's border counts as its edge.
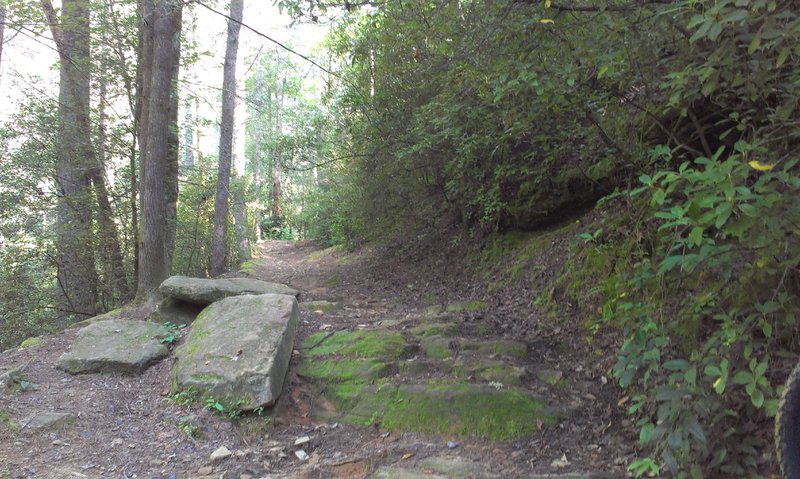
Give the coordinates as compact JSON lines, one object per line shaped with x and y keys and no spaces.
{"x":126,"y":427}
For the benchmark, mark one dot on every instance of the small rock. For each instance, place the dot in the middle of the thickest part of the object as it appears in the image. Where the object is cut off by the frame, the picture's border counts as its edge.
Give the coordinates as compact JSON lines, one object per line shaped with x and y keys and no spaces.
{"x":302,"y":440}
{"x":205,"y":470}
{"x":221,"y":453}
{"x":563,"y":462}
{"x":301,"y":454}
{"x":47,"y":420}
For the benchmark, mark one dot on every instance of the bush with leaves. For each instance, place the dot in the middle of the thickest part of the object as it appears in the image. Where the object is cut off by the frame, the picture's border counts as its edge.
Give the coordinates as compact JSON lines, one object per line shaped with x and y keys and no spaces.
{"x":708,"y":313}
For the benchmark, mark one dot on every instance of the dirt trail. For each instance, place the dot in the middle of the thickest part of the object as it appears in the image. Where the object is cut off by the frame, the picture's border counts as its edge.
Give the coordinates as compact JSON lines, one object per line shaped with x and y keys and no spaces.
{"x":124,"y":428}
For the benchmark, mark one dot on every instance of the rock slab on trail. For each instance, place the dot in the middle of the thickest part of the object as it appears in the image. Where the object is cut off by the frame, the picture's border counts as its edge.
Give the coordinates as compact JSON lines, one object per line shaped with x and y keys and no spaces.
{"x":239,"y":349}
{"x":114,"y":346}
{"x":206,"y":291}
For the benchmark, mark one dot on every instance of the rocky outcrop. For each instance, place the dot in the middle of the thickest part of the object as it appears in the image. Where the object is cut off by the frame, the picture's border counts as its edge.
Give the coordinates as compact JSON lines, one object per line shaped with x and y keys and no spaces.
{"x":239,"y":349}
{"x":206,"y":291}
{"x":114,"y":346}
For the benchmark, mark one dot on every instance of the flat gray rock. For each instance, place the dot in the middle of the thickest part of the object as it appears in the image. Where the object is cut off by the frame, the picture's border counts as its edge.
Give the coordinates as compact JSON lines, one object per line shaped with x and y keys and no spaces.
{"x":238,"y":350}
{"x":207,"y":291}
{"x":114,"y":346}
{"x":46,"y":420}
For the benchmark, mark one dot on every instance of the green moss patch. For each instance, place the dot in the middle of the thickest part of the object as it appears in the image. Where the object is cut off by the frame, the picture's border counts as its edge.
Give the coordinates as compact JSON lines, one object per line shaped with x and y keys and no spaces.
{"x":436,"y":329}
{"x":491,"y":371}
{"x":462,"y":410}
{"x":363,"y":344}
{"x":509,"y":348}
{"x":345,"y":369}
{"x":248,"y":267}
{"x":436,"y":347}
{"x":30,"y":342}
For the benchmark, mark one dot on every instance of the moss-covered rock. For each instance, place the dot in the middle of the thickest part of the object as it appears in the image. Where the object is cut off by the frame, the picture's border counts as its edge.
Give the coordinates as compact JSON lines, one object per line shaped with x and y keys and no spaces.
{"x":363,"y":344}
{"x":345,"y":369}
{"x":491,"y":371}
{"x":459,"y":409}
{"x":436,"y":347}
{"x":238,"y":350}
{"x":497,"y":347}
{"x":30,"y":342}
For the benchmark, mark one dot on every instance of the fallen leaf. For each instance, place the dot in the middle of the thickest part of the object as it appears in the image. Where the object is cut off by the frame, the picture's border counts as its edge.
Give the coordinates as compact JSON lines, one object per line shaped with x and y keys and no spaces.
{"x":408,"y":455}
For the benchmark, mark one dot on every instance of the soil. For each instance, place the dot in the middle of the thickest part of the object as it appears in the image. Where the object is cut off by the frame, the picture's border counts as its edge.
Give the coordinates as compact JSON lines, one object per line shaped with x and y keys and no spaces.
{"x":125,"y":427}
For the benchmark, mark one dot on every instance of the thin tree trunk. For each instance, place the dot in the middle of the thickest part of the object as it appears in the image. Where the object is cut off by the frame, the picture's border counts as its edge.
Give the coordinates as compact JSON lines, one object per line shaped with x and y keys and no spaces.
{"x":219,"y":248}
{"x":77,"y":278}
{"x":115,"y":279}
{"x":161,"y":23}
{"x":256,"y":159}
{"x":276,"y":196}
{"x":239,"y":210}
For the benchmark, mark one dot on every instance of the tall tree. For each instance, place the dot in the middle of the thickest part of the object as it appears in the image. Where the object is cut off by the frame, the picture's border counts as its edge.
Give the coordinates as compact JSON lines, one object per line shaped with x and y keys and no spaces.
{"x":2,"y":28}
{"x":219,"y":244}
{"x":158,"y":113}
{"x":276,"y":194}
{"x":77,"y":277}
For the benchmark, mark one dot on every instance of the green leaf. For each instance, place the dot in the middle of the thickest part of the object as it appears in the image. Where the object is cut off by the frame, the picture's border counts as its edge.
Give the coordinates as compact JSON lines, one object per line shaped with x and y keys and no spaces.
{"x":696,"y":236}
{"x":743,"y":377}
{"x":676,"y":365}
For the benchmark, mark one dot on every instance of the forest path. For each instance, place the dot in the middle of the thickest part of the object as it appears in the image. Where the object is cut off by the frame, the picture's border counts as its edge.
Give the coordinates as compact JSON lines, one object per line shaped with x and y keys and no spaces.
{"x":126,"y":427}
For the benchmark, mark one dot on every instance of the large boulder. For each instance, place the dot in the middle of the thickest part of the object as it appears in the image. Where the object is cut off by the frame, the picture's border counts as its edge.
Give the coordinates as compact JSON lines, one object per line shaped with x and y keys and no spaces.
{"x":114,"y":346}
{"x":238,"y":350}
{"x":206,"y":291}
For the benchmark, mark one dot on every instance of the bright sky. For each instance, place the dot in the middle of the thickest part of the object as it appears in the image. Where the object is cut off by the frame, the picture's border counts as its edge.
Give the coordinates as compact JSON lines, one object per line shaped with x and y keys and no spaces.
{"x":29,"y":63}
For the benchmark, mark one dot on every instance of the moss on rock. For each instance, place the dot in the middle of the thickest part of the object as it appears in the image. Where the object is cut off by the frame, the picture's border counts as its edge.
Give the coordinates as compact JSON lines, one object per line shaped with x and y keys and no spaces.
{"x":364,"y":344}
{"x":460,"y":409}
{"x":345,"y":369}
{"x":30,"y":342}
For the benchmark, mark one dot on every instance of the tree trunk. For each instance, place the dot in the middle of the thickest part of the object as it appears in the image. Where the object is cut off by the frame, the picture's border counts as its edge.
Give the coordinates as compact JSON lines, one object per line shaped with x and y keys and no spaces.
{"x":276,"y":195}
{"x":217,"y":261}
{"x":115,"y":287}
{"x":77,"y":278}
{"x":161,"y":24}
{"x":256,"y":159}
{"x":239,"y":210}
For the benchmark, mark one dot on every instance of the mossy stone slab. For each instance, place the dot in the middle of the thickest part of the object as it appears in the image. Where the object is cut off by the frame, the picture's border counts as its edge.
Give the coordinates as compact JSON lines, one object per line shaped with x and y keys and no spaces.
{"x":345,"y":369}
{"x":362,"y":344}
{"x":114,"y":346}
{"x":239,"y":349}
{"x":459,"y":409}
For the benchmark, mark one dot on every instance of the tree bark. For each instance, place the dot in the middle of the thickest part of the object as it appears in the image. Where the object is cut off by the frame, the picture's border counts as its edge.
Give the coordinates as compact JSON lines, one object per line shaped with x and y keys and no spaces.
{"x":239,"y":210}
{"x":219,"y":248}
{"x":115,"y":287}
{"x":77,"y":277}
{"x":276,"y":195}
{"x":160,"y":58}
{"x":256,"y":158}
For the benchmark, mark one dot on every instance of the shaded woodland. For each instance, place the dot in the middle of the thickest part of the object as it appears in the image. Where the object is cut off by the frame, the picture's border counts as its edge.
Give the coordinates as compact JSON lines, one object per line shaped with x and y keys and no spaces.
{"x":453,"y":125}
